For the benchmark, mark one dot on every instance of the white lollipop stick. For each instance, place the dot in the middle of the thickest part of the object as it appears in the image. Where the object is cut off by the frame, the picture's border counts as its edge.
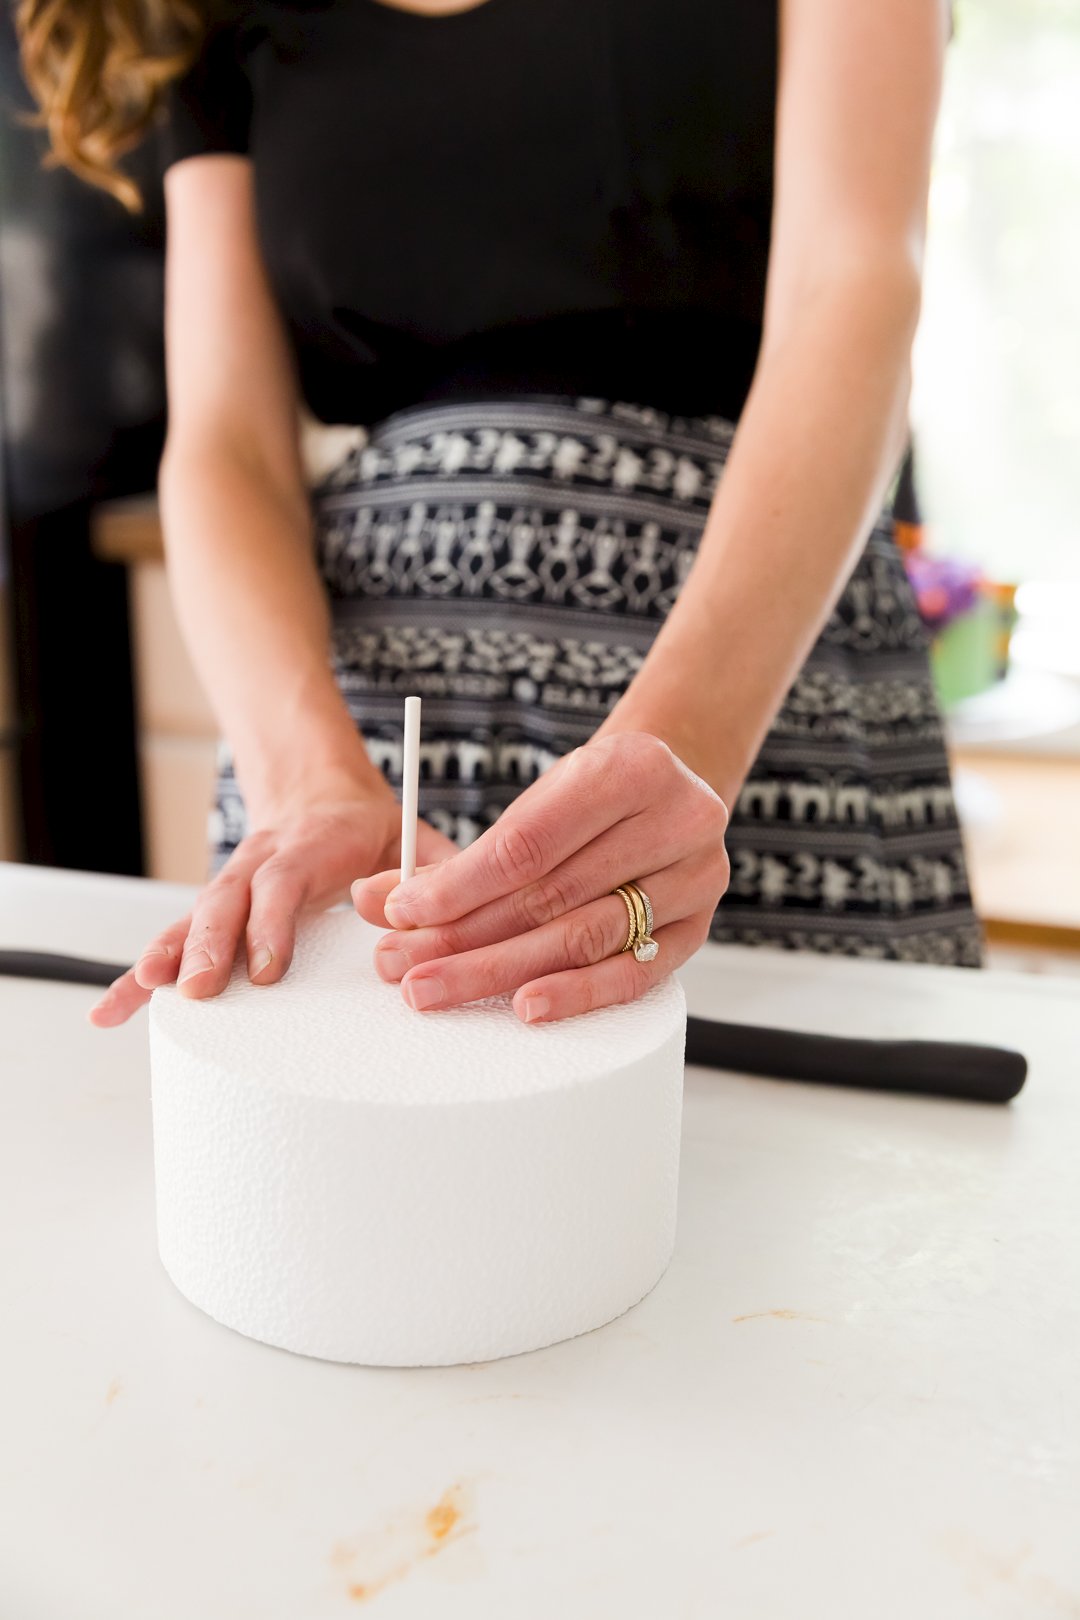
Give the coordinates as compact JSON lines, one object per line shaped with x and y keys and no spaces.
{"x":410,"y":787}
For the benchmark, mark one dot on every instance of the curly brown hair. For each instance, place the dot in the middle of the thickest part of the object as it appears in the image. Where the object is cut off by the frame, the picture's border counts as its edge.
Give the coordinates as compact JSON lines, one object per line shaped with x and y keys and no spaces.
{"x":98,"y":70}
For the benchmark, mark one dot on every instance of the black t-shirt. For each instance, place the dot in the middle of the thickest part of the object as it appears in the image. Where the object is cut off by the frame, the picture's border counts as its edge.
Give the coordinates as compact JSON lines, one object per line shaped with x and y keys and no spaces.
{"x":540,"y":196}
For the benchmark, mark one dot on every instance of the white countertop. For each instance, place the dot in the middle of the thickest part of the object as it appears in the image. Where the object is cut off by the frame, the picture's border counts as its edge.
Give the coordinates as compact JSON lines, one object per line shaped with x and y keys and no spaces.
{"x":853,"y":1394}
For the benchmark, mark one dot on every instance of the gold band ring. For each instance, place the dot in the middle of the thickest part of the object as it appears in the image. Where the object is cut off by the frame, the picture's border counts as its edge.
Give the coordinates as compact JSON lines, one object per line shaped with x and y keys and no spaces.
{"x":639,"y":911}
{"x":631,"y":915}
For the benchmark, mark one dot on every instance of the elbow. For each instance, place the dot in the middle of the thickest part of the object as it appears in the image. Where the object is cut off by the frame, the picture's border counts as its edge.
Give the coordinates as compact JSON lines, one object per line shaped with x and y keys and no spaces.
{"x":236,"y":468}
{"x":859,"y":291}
{"x":900,"y":291}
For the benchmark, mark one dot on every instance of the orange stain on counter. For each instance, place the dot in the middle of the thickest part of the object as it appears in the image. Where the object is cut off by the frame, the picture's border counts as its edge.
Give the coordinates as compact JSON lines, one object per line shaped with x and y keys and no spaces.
{"x":754,"y":1536}
{"x":405,"y":1543}
{"x":443,"y":1517}
{"x":782,"y":1316}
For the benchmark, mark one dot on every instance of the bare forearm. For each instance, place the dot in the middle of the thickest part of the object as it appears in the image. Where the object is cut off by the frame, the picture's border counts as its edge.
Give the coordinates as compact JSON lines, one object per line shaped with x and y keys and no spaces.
{"x":817,"y":445}
{"x":255,"y":619}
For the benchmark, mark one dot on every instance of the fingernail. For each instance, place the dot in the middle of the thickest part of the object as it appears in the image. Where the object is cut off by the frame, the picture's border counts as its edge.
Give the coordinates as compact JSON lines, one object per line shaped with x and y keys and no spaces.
{"x":535,"y":1007}
{"x":147,"y":960}
{"x":262,"y":959}
{"x":354,"y":885}
{"x":423,"y":993}
{"x":392,"y":965}
{"x":197,"y":962}
{"x":399,"y":903}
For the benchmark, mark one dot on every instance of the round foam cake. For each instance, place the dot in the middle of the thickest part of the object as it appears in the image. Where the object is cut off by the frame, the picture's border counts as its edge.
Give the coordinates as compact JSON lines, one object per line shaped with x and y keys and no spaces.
{"x":343,"y":1177}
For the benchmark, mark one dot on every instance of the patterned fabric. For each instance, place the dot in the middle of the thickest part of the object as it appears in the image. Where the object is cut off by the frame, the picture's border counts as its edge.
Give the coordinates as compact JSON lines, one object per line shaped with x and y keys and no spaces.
{"x":511,"y":561}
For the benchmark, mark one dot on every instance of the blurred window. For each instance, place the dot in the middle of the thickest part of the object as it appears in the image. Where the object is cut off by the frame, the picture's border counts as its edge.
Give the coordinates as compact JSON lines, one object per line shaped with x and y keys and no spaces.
{"x":996,"y":397}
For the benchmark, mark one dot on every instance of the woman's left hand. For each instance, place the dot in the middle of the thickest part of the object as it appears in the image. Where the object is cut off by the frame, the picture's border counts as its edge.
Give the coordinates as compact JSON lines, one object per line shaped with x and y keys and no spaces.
{"x":528,"y":907}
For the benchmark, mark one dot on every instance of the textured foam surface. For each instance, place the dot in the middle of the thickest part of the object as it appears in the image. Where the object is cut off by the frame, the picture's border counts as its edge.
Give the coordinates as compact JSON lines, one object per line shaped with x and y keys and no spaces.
{"x":340,"y":1176}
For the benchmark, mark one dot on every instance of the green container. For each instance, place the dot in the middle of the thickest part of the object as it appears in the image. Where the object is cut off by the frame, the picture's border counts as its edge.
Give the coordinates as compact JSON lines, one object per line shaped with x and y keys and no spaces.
{"x":965,"y":656}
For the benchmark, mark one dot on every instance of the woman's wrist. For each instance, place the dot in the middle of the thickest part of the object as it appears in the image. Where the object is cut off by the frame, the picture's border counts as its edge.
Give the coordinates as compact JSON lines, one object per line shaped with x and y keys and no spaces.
{"x":694,"y":733}
{"x":276,"y":791}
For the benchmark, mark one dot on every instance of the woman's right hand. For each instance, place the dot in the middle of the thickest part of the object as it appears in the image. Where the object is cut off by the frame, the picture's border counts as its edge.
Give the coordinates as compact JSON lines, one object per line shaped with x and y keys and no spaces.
{"x":302,"y":863}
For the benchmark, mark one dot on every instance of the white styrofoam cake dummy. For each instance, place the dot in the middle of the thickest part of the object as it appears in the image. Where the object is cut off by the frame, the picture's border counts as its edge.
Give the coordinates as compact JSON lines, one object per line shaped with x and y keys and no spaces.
{"x":341,"y":1176}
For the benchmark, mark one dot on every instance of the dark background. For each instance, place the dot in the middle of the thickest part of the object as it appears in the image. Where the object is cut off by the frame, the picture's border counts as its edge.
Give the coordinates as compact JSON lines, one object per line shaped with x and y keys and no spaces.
{"x":82,"y":419}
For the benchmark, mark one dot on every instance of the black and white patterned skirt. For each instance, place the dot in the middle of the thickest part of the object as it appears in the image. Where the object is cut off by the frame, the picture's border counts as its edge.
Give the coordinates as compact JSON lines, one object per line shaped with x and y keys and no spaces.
{"x":511,"y":562}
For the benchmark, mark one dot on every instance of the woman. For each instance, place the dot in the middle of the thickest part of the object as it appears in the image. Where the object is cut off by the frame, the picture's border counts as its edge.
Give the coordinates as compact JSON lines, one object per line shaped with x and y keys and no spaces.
{"x":602,"y":313}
